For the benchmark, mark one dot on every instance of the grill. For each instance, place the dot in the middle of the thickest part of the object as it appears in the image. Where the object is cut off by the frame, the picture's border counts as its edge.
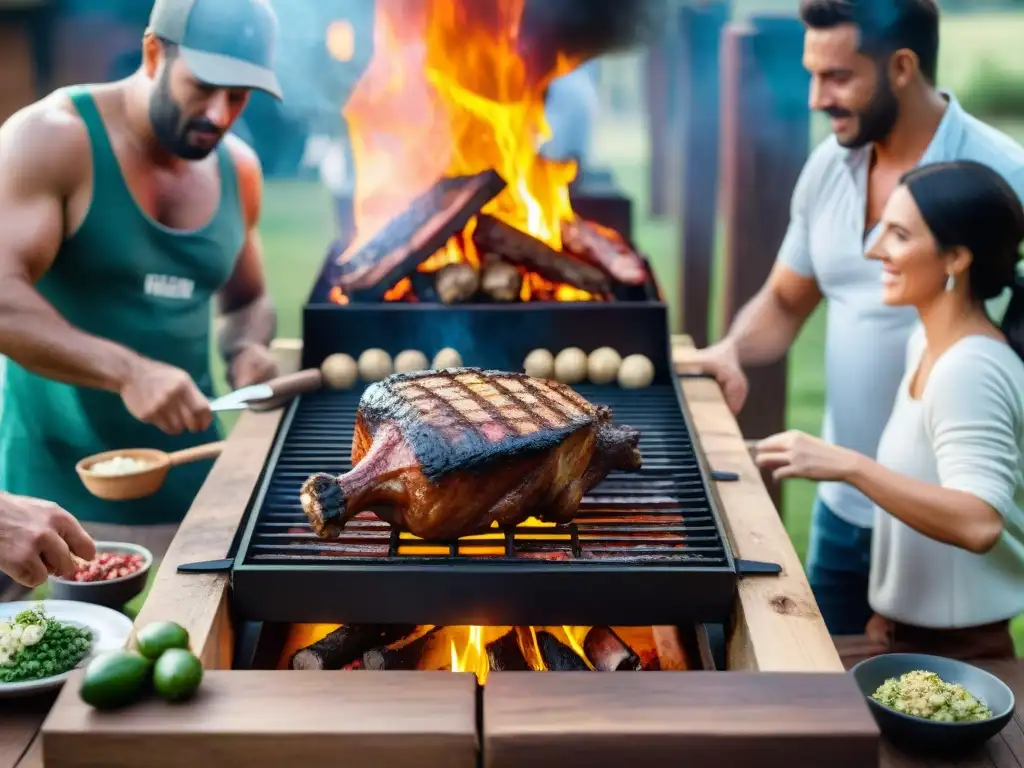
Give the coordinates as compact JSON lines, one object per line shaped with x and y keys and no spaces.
{"x":645,"y":548}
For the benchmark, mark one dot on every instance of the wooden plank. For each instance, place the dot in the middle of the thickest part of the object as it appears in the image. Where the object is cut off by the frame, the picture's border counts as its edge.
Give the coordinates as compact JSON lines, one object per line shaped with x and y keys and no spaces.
{"x":657,"y":93}
{"x":20,"y":720}
{"x":714,"y":719}
{"x":778,"y":626}
{"x":33,"y":757}
{"x":270,"y":719}
{"x":765,"y":137}
{"x":18,"y":84}
{"x":199,"y":601}
{"x":699,"y":120}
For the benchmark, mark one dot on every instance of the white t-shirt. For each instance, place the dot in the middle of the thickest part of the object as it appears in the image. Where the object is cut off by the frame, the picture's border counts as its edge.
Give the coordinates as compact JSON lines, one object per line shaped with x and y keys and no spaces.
{"x":866,"y":341}
{"x":965,"y":432}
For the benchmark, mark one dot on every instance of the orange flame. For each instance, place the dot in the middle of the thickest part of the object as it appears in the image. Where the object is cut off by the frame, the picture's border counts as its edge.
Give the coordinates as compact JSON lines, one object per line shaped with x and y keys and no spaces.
{"x":447,"y":93}
{"x":464,"y":648}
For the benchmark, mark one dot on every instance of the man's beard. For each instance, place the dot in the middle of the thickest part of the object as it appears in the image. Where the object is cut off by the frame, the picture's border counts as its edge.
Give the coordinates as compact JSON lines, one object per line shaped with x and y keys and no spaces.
{"x":875,"y":122}
{"x":170,"y":129}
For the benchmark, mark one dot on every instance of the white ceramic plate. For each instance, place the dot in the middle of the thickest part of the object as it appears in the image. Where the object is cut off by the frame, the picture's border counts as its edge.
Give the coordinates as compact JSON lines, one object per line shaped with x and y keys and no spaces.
{"x":110,"y":632}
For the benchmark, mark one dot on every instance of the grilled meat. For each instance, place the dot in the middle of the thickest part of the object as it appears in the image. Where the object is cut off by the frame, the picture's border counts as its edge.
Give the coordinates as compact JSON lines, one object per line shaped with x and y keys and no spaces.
{"x":444,"y":454}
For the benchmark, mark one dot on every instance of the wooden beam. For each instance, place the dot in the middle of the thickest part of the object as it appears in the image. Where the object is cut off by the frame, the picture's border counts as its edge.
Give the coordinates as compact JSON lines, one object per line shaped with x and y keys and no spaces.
{"x":765,"y":130}
{"x":199,"y":602}
{"x":777,"y":626}
{"x":713,"y":719}
{"x":697,"y":99}
{"x":656,"y":93}
{"x":269,"y":719}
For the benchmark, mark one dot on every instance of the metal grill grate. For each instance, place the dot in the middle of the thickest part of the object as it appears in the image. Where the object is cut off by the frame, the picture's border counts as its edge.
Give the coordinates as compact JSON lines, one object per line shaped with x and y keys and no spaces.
{"x":644,"y":548}
{"x":658,"y":515}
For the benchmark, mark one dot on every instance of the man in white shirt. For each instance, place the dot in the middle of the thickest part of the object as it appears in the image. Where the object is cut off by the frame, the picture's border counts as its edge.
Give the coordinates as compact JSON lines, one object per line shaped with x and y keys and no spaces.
{"x":873,"y":69}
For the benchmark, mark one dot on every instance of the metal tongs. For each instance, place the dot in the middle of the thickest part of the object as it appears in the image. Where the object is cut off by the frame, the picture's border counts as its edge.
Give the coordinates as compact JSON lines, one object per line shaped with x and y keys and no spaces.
{"x":271,"y":394}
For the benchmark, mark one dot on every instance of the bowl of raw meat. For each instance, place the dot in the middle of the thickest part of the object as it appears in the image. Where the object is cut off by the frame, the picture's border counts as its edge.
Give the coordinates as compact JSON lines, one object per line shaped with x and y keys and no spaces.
{"x":117,"y":574}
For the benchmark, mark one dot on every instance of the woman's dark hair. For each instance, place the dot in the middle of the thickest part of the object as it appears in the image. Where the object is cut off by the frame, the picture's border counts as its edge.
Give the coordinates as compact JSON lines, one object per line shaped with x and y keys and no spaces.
{"x":967,"y":204}
{"x":885,"y":26}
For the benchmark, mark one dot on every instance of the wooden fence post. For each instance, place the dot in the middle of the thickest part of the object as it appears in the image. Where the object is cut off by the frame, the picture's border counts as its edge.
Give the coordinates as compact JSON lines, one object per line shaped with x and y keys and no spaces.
{"x":697,"y":103}
{"x":765,"y":134}
{"x":659,"y":77}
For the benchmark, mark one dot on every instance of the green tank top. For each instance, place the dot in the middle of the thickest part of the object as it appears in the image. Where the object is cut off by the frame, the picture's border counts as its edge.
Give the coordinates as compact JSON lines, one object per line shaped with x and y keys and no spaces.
{"x":125,"y":277}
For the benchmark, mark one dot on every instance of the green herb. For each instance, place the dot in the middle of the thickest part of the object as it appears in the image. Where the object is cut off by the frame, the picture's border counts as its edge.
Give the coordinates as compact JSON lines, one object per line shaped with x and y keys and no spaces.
{"x":36,"y":646}
{"x":925,"y":694}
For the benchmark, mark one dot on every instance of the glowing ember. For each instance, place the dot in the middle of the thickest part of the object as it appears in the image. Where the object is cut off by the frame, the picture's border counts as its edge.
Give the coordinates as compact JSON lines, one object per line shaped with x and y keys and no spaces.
{"x":448,"y":93}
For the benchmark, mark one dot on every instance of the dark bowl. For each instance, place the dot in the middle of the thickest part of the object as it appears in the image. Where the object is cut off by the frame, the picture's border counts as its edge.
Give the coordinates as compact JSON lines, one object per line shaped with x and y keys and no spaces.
{"x":110,"y":594}
{"x":920,"y":734}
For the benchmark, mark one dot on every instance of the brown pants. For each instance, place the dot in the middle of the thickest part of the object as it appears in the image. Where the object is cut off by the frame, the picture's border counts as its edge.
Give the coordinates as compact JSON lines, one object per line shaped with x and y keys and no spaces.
{"x":155,"y":538}
{"x":987,"y":641}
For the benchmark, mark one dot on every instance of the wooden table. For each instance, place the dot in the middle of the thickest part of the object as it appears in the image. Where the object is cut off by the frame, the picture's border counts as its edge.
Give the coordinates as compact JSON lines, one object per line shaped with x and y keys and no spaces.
{"x":778,"y":628}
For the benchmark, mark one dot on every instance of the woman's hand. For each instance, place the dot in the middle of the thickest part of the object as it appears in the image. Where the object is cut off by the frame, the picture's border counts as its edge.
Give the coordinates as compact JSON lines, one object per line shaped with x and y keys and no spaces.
{"x":797,"y":454}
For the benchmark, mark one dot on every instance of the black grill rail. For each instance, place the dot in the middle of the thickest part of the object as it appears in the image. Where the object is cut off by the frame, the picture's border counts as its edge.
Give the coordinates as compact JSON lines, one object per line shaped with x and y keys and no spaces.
{"x":659,"y":515}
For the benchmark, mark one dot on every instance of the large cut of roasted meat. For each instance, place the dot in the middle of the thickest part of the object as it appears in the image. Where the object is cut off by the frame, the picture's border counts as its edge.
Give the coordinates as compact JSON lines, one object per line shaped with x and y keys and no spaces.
{"x":444,"y":454}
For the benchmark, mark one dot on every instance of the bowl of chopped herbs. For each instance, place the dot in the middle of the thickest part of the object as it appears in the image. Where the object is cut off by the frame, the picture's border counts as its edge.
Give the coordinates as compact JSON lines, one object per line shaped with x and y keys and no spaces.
{"x":932,"y":703}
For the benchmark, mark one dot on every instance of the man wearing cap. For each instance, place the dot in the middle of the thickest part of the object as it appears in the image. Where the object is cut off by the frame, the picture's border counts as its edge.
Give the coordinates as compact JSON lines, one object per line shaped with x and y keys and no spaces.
{"x":125,"y":209}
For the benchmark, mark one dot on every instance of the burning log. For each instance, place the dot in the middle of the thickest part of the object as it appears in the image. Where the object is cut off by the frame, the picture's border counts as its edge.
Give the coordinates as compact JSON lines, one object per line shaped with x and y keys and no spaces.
{"x":607,"y":252}
{"x":347,"y":643}
{"x":405,"y":657}
{"x":505,"y":655}
{"x":500,"y":280}
{"x":521,"y":249}
{"x":457,"y":283}
{"x":558,"y":657}
{"x":370,"y":269}
{"x":608,"y":653}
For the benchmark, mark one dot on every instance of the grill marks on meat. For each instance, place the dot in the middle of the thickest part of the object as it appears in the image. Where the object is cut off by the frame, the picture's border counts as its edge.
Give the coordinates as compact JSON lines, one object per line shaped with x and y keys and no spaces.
{"x":444,"y":454}
{"x":464,"y":418}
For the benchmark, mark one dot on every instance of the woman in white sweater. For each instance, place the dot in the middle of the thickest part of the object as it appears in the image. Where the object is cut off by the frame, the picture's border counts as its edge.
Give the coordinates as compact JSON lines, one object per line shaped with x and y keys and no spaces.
{"x":947,"y":561}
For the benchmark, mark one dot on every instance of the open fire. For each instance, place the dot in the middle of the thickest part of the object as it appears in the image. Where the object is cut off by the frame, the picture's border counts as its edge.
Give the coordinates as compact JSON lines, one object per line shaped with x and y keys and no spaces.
{"x":453,"y":201}
{"x":477,"y":649}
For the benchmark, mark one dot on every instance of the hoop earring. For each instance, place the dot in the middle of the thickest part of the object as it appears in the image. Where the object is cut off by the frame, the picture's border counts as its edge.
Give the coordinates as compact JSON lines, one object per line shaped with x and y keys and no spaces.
{"x":950,"y":284}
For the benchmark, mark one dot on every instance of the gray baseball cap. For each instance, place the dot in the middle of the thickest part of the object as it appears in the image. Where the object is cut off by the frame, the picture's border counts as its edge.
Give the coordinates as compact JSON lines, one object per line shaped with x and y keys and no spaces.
{"x":228,"y":43}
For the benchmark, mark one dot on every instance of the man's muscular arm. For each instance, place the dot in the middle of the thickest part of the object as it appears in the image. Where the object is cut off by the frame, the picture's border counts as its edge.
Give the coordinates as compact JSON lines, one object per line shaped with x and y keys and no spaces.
{"x":765,"y":328}
{"x":247,"y":321}
{"x":43,"y":155}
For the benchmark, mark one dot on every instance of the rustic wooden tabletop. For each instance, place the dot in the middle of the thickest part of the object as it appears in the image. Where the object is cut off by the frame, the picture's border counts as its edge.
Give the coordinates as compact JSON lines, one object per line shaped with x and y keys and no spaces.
{"x":20,"y":720}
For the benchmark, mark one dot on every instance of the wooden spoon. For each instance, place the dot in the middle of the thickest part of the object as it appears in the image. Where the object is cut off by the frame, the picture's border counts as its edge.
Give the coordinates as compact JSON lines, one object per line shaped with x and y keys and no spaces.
{"x":141,"y":482}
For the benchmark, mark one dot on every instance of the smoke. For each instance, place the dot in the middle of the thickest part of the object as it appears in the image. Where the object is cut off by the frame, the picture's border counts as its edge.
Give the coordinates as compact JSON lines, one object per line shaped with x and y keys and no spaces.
{"x":314,"y":84}
{"x":585,"y":29}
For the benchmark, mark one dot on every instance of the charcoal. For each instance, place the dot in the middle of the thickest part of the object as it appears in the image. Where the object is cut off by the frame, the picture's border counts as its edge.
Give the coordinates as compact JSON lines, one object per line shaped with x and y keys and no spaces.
{"x":407,"y":657}
{"x":347,"y":643}
{"x":524,"y":250}
{"x":608,"y":652}
{"x":559,"y":657}
{"x":457,"y":283}
{"x":367,"y":271}
{"x":505,"y":655}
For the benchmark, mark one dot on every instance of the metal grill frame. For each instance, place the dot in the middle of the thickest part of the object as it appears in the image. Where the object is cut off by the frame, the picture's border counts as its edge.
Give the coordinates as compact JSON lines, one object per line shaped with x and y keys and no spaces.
{"x":481,"y":591}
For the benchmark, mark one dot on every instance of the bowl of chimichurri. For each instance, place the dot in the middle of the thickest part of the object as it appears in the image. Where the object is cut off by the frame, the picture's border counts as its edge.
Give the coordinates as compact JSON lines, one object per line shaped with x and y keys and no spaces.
{"x":932,"y":703}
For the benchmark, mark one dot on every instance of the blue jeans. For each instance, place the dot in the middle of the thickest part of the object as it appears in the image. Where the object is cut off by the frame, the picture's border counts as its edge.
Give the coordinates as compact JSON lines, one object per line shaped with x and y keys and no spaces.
{"x":838,"y":567}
